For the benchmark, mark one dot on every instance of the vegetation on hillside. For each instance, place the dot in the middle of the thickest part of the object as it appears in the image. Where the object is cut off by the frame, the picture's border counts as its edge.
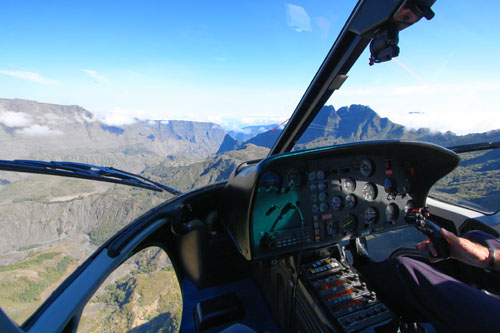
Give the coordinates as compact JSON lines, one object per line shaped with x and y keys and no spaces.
{"x":22,"y":283}
{"x":474,"y":183}
{"x":146,"y":299}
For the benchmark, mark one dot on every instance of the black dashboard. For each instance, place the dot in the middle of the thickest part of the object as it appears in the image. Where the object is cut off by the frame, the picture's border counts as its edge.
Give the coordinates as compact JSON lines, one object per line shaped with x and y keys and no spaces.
{"x":307,"y":199}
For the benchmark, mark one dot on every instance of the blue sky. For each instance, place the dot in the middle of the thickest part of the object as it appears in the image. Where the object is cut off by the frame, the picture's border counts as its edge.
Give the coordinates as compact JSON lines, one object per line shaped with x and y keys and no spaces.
{"x":245,"y":61}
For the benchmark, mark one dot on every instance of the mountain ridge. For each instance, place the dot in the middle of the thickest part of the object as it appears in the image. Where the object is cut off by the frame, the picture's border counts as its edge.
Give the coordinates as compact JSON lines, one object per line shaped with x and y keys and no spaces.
{"x":361,"y":123}
{"x":33,"y":130}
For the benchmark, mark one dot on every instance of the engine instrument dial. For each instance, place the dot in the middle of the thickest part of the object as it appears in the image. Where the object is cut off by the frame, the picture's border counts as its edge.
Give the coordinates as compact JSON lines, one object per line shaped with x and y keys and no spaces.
{"x":311,"y":176}
{"x":337,"y":203}
{"x":369,"y":192}
{"x":322,"y":186}
{"x":332,"y":228}
{"x":351,"y":201}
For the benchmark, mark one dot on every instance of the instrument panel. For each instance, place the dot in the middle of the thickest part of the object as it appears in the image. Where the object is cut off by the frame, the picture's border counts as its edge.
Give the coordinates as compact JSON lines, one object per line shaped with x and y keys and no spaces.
{"x":319,"y":197}
{"x":327,"y":200}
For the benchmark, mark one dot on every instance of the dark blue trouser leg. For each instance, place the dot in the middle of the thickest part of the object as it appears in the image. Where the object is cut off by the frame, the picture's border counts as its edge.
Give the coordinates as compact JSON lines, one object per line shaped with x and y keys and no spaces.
{"x":421,"y":293}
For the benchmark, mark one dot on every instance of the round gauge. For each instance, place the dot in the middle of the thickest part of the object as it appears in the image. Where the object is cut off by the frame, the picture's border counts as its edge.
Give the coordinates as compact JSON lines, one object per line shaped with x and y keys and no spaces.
{"x":332,"y":228}
{"x":314,"y":197}
{"x":315,"y":209}
{"x":337,"y":203}
{"x":323,"y":207}
{"x":270,"y":181}
{"x":350,"y":224}
{"x":351,"y":201}
{"x":367,"y":167}
{"x":323,"y":196}
{"x":311,"y":176}
{"x":349,"y":185}
{"x":391,"y":213}
{"x":409,"y":205}
{"x":322,"y":186}
{"x":370,"y":216}
{"x":293,"y":178}
{"x":313,"y":187}
{"x":320,"y":175}
{"x":369,"y":192}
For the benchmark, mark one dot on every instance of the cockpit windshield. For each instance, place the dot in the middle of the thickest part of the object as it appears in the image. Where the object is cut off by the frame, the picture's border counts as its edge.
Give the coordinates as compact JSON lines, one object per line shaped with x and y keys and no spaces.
{"x":441,"y":88}
{"x":183,"y":92}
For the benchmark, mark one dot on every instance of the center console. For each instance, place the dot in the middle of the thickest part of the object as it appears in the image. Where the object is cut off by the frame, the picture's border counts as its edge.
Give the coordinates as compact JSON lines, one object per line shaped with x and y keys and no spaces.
{"x":319,"y":291}
{"x":343,"y":295}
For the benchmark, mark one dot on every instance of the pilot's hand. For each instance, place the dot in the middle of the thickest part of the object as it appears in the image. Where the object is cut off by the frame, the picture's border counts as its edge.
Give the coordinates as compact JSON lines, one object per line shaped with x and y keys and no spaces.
{"x":461,"y":249}
{"x":466,"y":251}
{"x":427,"y":245}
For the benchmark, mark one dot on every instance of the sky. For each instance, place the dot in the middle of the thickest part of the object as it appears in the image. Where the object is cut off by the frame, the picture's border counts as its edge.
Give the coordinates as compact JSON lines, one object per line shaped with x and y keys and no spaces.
{"x":245,"y":62}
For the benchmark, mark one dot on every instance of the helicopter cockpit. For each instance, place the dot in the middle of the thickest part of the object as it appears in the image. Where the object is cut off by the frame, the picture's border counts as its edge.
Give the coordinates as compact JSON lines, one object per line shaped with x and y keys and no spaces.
{"x":270,"y":249}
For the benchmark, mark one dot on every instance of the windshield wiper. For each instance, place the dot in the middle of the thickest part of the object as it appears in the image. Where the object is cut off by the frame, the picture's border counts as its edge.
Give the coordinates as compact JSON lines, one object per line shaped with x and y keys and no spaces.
{"x":85,"y":171}
{"x":475,"y":147}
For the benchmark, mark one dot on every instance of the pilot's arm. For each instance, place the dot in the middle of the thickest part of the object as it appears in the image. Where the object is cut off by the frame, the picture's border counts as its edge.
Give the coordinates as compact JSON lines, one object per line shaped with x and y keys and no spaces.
{"x":465,"y":250}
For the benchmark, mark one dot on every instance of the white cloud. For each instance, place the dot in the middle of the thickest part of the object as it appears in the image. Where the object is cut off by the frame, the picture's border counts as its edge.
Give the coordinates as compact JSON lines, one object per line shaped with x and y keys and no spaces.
{"x":118,"y":116}
{"x":96,"y":76}
{"x":237,"y":129}
{"x":28,"y":76}
{"x":458,"y":107}
{"x":38,"y":130}
{"x":15,"y":119}
{"x":297,"y":18}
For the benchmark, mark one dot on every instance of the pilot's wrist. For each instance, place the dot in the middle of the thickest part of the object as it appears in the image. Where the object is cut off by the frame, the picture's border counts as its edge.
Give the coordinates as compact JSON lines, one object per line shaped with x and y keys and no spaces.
{"x":492,"y":258}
